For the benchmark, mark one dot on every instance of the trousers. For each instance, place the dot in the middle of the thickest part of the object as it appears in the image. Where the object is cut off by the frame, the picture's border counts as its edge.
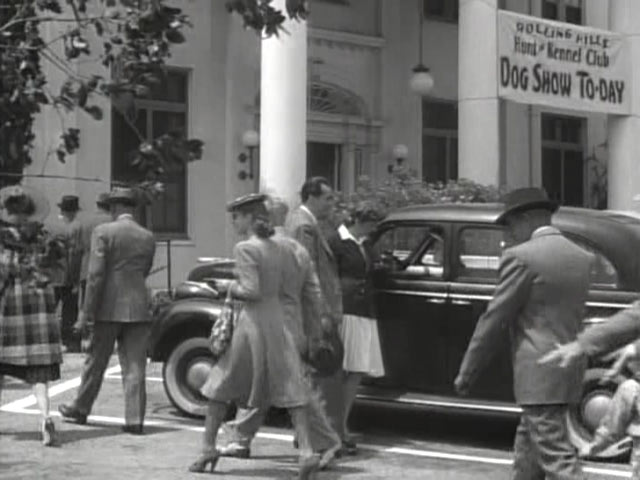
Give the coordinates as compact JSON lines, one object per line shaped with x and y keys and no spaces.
{"x":132,"y":341}
{"x":542,"y":447}
{"x":322,"y":435}
{"x":68,"y":302}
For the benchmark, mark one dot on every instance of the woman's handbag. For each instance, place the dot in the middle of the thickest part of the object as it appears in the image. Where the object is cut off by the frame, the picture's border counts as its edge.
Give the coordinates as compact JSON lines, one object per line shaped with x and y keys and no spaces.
{"x":222,"y":330}
{"x":326,"y":353}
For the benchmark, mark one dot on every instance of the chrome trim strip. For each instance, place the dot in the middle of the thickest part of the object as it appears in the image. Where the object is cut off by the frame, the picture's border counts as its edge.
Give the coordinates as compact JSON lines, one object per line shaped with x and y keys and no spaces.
{"x":608,"y":305}
{"x":440,"y":403}
{"x":417,"y":294}
{"x":464,"y":296}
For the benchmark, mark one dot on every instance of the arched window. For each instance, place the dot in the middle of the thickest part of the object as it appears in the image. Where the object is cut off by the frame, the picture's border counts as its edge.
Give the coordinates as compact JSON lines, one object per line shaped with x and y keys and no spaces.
{"x":332,"y":99}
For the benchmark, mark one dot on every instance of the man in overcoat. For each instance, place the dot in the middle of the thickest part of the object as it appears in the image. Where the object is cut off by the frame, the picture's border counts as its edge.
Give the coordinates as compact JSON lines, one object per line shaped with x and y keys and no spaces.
{"x":66,"y":280}
{"x":117,"y":302}
{"x":538,"y":303}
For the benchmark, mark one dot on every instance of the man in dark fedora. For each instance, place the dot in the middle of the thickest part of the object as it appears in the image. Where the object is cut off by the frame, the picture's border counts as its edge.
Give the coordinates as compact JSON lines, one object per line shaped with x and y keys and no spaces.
{"x":67,"y":229}
{"x":117,"y":303}
{"x":538,"y":303}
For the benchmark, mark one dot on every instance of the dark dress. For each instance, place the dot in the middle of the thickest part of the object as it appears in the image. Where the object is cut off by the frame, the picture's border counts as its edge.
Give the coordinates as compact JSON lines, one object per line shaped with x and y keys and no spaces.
{"x":359,"y":329}
{"x":29,"y":330}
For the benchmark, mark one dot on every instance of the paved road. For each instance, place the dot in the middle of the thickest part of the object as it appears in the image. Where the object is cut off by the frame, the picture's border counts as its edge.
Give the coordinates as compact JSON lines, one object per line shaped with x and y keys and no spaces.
{"x":395,"y":443}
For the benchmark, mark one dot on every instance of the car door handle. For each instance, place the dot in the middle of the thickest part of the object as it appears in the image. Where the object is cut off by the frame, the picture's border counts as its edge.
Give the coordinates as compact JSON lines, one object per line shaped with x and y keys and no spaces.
{"x":439,"y":301}
{"x":461,"y":302}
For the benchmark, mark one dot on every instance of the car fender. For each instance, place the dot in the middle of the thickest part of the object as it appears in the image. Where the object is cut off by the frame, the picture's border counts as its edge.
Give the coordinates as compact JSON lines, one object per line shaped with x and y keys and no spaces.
{"x":180,"y":320}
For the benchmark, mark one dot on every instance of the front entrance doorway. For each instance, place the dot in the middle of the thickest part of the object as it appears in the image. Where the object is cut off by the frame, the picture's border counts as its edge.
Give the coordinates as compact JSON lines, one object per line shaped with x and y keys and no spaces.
{"x":325,"y":160}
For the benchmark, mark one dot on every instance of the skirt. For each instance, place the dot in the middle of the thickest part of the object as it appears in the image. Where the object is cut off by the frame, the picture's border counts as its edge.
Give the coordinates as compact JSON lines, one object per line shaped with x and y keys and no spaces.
{"x":32,"y":374}
{"x":362,"y":353}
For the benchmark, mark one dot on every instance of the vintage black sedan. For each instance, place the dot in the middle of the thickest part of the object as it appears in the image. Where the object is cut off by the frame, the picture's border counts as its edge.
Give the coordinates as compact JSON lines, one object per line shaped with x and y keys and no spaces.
{"x":436,"y":268}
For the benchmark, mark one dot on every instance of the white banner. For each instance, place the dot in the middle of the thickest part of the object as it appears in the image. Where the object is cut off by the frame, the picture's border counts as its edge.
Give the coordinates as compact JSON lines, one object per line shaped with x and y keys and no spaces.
{"x":561,"y":65}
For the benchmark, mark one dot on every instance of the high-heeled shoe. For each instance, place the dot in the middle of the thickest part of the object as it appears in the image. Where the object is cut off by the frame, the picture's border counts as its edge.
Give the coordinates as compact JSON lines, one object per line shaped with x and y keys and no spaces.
{"x":200,"y":465}
{"x":48,"y":433}
{"x":309,"y":466}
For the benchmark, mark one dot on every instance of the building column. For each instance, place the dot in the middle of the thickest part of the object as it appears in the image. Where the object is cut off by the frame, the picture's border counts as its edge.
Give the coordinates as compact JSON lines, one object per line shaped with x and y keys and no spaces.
{"x":283,"y":110}
{"x":624,"y":131}
{"x":478,"y":107}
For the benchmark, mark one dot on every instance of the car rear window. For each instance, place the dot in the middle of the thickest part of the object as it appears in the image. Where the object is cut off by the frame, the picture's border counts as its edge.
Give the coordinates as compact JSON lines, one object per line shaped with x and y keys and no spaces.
{"x":479,"y":252}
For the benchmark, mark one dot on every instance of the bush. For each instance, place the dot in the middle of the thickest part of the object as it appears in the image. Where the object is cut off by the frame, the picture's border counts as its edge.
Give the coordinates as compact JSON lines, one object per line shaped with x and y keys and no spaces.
{"x":405,"y":188}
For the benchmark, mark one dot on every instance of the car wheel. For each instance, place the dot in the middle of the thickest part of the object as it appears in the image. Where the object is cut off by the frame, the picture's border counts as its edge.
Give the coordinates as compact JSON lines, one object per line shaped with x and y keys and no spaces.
{"x":583,"y":419}
{"x":184,"y":373}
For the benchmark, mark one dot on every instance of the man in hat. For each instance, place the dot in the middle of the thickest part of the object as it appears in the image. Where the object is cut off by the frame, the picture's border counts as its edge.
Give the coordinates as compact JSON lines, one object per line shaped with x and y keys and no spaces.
{"x":67,"y":282}
{"x":116,"y":301}
{"x":539,"y":300}
{"x":86,"y":226}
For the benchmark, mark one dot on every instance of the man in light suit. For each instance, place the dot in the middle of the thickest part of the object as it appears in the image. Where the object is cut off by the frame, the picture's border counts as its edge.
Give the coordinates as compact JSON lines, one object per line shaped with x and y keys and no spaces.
{"x":85,"y":230}
{"x":117,"y":302}
{"x":303,"y":225}
{"x":539,"y":300}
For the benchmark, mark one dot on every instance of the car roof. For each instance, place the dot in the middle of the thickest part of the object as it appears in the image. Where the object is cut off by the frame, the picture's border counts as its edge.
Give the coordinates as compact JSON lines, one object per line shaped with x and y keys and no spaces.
{"x":615,"y":233}
{"x":489,"y":212}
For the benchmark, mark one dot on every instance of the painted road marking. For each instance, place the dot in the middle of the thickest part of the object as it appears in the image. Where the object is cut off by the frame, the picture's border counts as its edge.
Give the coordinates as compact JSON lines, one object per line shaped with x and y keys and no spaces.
{"x":20,"y":406}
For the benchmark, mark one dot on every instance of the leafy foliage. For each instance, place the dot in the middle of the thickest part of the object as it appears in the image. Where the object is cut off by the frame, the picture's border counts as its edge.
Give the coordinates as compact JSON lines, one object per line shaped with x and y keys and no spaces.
{"x":135,"y":42}
{"x":260,"y":16}
{"x":404,"y":188}
{"x":137,"y":37}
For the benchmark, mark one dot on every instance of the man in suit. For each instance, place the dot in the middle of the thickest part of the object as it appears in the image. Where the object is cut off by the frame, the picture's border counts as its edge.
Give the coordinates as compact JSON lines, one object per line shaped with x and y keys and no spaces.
{"x":539,"y":300}
{"x":303,"y":225}
{"x":117,"y":302}
{"x":86,"y":226}
{"x":66,"y":281}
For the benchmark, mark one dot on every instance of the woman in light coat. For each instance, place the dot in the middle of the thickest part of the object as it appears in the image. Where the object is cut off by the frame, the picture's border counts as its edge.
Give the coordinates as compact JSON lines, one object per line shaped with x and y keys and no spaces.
{"x":262,"y":366}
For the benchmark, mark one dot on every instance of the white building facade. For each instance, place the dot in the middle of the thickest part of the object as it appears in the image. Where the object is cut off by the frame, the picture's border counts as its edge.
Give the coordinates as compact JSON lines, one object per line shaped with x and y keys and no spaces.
{"x":338,"y":101}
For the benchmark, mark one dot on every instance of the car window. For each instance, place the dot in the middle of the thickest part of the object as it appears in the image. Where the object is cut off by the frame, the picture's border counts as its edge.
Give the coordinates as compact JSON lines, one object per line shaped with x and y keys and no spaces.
{"x":417,"y":249}
{"x":479,"y":253}
{"x":603,"y":273}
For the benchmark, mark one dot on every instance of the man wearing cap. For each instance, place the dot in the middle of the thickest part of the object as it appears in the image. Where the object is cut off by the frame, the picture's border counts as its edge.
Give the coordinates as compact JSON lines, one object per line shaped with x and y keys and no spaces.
{"x":67,"y":282}
{"x":539,"y":302}
{"x":116,"y":301}
{"x":86,"y":226}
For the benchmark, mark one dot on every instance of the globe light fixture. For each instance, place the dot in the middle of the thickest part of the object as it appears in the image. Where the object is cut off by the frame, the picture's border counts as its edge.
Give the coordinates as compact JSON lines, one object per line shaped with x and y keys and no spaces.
{"x":400,"y":153}
{"x":421,"y":82}
{"x":250,"y":140}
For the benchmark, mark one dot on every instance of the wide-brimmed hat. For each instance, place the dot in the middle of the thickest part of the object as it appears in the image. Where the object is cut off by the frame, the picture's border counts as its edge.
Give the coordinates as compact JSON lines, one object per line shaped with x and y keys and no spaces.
{"x":523,"y":199}
{"x":69,"y":203}
{"x":40,"y":202}
{"x":246,"y":200}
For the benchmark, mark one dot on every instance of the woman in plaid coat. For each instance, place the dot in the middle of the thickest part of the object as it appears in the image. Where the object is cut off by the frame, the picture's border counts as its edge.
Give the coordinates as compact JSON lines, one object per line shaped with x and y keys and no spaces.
{"x":29,"y":330}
